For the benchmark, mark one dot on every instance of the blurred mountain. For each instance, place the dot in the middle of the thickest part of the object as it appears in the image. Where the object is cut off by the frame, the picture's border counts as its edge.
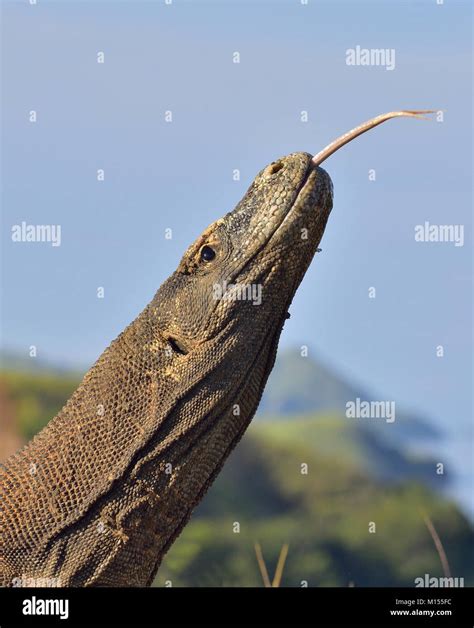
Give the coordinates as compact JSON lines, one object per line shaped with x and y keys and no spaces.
{"x":361,"y":449}
{"x":300,"y":385}
{"x":13,"y":361}
{"x":35,"y":396}
{"x":303,"y":474}
{"x":302,"y":481}
{"x":34,"y":390}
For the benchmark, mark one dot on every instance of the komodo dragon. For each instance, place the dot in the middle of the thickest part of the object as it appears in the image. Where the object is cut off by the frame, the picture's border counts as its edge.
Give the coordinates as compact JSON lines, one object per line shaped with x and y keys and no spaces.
{"x":101,"y":493}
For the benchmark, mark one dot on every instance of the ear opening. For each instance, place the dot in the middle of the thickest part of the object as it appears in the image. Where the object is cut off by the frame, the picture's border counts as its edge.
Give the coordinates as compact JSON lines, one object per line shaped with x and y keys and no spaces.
{"x":177,"y":346}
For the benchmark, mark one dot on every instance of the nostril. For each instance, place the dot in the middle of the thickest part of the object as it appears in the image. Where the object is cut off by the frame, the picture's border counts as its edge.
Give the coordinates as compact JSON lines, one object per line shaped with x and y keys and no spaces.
{"x":274,"y":167}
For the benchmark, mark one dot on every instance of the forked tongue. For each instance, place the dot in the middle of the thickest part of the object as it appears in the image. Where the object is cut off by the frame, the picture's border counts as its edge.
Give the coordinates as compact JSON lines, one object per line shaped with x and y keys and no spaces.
{"x":363,"y":128}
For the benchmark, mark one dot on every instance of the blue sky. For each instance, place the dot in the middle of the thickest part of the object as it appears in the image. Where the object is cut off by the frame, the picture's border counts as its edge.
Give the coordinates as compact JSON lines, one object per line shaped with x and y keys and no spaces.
{"x":178,"y":175}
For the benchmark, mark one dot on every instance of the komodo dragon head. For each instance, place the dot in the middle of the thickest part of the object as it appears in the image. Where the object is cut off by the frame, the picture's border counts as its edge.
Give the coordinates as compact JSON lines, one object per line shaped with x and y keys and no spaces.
{"x":236,"y":281}
{"x":119,"y":470}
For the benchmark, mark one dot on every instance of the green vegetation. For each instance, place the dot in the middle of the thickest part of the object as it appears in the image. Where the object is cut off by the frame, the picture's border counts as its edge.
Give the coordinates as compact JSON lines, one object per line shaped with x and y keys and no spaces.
{"x":324,"y":516}
{"x":354,"y":479}
{"x":301,"y":385}
{"x":37,"y":397}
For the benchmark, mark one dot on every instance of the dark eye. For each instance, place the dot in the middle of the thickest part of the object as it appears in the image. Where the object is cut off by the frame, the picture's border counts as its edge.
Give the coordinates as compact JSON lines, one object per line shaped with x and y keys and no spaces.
{"x":207,"y":254}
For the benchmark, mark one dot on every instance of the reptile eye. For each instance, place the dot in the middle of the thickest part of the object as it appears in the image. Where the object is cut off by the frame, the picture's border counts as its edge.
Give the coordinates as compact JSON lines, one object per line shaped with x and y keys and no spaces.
{"x":207,"y":254}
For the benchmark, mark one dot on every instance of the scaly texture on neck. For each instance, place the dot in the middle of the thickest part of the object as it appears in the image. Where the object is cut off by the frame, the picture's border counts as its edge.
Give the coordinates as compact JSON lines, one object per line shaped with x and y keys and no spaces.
{"x":100,"y":494}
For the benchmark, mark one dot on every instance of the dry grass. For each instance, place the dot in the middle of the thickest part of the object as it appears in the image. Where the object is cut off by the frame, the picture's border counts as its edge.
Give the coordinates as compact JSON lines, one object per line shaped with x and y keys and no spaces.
{"x":279,"y":568}
{"x":439,"y":546}
{"x":284,"y":553}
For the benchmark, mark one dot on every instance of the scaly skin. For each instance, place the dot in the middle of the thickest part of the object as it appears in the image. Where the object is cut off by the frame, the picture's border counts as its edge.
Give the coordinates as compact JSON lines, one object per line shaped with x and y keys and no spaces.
{"x":98,"y":497}
{"x":100,"y":494}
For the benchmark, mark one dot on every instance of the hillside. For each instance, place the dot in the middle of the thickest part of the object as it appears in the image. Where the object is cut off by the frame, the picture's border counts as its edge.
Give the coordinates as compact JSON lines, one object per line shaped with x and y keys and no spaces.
{"x":324,"y":516}
{"x":302,"y":385}
{"x":357,"y":475}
